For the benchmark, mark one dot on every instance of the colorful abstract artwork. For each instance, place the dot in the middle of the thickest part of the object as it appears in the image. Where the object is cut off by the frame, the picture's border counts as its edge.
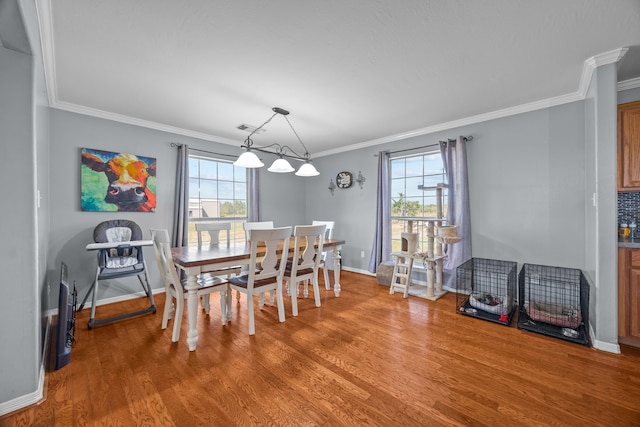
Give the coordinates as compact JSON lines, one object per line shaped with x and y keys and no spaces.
{"x":117,"y":182}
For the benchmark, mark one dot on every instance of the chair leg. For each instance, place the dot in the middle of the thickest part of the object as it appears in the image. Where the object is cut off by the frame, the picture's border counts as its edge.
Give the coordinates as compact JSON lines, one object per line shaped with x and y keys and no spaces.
{"x":252,"y":326}
{"x":177,"y":319}
{"x":228,"y":298}
{"x":206,"y":306}
{"x":86,"y":297}
{"x":238,"y":296}
{"x":93,"y":300}
{"x":294,"y":299}
{"x":327,"y":283}
{"x":146,"y":285}
{"x":168,"y":310}
{"x":278,"y":292}
{"x":223,"y":305}
{"x":316,"y":289}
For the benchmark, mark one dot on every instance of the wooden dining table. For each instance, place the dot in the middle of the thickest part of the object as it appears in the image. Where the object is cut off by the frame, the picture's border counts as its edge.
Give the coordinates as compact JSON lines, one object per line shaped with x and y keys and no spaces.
{"x":194,"y":260}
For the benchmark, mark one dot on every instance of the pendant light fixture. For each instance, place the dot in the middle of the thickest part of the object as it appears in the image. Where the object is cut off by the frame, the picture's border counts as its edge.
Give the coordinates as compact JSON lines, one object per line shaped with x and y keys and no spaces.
{"x":249,"y":159}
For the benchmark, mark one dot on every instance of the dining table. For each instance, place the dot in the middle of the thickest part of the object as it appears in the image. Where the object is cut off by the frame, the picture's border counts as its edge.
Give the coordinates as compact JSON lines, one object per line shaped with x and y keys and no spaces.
{"x":195,"y":260}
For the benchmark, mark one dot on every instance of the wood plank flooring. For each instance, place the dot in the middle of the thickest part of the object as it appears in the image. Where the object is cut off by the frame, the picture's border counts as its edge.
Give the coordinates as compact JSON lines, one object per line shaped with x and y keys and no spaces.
{"x":366,"y":358}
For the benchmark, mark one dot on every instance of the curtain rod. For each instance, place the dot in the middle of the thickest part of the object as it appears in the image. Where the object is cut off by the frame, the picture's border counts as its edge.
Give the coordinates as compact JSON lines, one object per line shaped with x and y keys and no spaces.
{"x":176,"y":144}
{"x":466,"y":138}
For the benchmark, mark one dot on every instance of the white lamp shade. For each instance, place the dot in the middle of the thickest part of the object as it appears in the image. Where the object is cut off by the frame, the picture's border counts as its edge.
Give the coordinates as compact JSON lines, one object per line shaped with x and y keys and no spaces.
{"x":307,"y":169}
{"x":248,"y":160}
{"x":281,"y":166}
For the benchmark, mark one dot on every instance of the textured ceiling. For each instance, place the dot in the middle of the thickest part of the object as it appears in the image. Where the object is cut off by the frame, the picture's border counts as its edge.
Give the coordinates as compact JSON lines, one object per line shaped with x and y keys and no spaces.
{"x":352,"y":73}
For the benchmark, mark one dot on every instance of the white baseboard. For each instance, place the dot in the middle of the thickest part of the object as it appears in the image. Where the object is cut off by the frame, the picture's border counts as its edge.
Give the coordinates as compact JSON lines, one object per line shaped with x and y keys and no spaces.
{"x":36,"y":395}
{"x":357,"y":270}
{"x":601,"y":345}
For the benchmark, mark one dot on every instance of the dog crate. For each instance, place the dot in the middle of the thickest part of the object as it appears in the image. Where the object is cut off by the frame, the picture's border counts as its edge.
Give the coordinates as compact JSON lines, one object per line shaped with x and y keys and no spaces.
{"x":486,"y":289}
{"x":554,"y":301}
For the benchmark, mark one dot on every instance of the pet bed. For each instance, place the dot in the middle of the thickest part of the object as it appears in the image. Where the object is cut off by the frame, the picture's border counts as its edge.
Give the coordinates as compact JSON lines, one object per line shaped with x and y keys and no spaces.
{"x":555,"y":314}
{"x":495,"y":304}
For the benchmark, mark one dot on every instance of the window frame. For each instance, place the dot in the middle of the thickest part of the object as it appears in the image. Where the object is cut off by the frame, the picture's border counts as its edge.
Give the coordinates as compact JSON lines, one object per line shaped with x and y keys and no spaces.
{"x":400,"y":221}
{"x":237,"y":229}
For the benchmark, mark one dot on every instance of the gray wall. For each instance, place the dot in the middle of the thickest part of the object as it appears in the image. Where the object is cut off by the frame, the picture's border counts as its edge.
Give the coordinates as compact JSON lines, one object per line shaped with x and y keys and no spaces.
{"x":282,"y":195}
{"x":20,"y":302}
{"x":601,"y":236}
{"x":526,"y":178}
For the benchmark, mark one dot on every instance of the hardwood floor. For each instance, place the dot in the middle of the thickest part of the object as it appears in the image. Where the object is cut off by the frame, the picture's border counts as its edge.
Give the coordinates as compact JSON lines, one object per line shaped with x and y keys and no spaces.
{"x":366,"y":358}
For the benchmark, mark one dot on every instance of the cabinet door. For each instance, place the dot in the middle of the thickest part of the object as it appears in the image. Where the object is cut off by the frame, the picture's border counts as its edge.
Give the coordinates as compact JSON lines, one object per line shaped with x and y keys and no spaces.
{"x":629,"y":146}
{"x":629,"y":297}
{"x":624,"y":260}
{"x":633,"y":304}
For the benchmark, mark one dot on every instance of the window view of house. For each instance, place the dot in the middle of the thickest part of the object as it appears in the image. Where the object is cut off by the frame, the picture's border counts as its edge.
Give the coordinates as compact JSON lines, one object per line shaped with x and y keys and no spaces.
{"x":217,"y":192}
{"x":409,"y":204}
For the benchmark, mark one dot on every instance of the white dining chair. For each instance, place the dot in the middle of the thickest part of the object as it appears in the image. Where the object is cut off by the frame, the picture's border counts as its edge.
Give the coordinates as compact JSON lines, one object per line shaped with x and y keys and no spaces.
{"x":175,"y":288}
{"x":258,"y":225}
{"x":328,"y":234}
{"x":305,"y":262}
{"x":213,"y":230}
{"x":266,"y":271}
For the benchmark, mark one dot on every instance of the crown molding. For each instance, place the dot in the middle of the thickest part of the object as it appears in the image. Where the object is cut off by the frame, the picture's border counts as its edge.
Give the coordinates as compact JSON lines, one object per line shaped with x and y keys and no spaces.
{"x":74,"y":108}
{"x":629,"y":84}
{"x":611,"y":57}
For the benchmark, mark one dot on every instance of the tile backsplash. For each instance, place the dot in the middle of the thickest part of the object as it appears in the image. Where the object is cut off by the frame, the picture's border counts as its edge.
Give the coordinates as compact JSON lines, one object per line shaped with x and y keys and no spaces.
{"x":628,"y":207}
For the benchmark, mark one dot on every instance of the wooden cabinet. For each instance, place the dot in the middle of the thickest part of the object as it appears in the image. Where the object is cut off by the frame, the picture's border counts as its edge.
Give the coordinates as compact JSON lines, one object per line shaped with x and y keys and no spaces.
{"x":629,"y":146}
{"x":629,"y":297}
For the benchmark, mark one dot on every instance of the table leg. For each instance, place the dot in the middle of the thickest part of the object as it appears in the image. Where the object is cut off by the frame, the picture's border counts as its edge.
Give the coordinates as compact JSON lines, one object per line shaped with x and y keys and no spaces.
{"x":192,"y":311}
{"x":336,"y":270}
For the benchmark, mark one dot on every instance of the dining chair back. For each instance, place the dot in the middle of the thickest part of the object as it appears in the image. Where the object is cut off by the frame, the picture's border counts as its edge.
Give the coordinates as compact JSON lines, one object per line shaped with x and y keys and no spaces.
{"x":305,"y":262}
{"x":259,"y":225}
{"x":266,"y":269}
{"x":324,"y":262}
{"x":213,"y":229}
{"x":175,"y":288}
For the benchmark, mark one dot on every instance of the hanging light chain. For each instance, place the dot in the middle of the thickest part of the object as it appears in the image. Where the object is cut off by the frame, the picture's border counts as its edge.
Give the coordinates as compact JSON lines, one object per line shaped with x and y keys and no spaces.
{"x":281,"y":150}
{"x":306,"y":152}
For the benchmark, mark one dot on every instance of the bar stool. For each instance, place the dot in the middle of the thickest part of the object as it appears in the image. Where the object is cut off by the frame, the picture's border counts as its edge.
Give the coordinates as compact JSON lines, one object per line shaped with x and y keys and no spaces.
{"x":401,"y":279}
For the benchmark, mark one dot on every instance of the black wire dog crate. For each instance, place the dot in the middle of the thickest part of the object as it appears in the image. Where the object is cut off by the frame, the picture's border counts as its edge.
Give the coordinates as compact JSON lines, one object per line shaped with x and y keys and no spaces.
{"x":486,"y":289}
{"x":554,"y":301}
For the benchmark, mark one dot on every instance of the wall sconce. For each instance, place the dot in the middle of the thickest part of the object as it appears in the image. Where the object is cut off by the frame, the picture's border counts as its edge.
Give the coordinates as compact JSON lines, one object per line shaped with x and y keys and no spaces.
{"x":332,"y":186}
{"x":360,"y":179}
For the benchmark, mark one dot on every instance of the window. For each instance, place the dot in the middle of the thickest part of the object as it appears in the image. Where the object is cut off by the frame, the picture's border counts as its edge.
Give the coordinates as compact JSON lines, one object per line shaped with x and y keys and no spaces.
{"x":408,"y":203}
{"x":217,"y":193}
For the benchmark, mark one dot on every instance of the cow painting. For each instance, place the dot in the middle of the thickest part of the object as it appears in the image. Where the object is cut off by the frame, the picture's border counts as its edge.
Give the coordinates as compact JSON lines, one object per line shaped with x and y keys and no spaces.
{"x":117,"y":182}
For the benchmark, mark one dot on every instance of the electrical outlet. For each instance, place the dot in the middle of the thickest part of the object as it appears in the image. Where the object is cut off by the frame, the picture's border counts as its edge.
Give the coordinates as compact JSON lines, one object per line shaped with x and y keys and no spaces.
{"x":361,"y":254}
{"x":48,"y":288}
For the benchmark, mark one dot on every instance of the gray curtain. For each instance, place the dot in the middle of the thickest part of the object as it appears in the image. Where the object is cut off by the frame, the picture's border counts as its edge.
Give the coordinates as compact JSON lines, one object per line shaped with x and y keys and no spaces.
{"x":454,"y":157}
{"x":181,"y":205}
{"x":254,"y":195}
{"x":381,"y":249}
